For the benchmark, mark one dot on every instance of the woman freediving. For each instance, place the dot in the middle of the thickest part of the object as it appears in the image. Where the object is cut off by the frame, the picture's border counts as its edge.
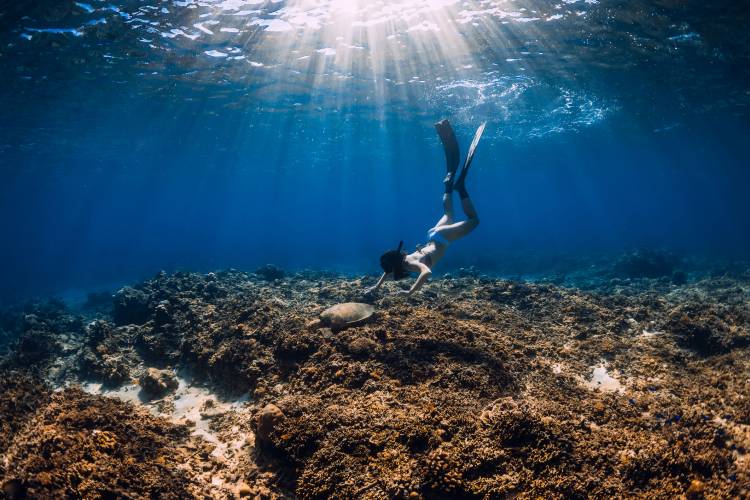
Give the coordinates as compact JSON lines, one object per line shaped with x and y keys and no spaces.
{"x":398,"y":264}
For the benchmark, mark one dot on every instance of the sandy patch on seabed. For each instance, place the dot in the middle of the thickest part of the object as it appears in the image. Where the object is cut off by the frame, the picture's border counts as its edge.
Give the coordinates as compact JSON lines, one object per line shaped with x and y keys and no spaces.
{"x":211,"y":419}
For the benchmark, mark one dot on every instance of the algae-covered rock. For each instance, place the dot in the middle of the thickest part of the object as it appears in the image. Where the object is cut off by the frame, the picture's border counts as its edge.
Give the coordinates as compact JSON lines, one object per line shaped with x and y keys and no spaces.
{"x":100,"y":357}
{"x":157,"y":383}
{"x":112,"y":371}
{"x":267,"y":420}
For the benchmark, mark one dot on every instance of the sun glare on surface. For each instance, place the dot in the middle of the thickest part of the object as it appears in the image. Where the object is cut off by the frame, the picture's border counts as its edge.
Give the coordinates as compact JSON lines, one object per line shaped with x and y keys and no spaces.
{"x":382,"y":44}
{"x":479,"y":56}
{"x":483,"y":59}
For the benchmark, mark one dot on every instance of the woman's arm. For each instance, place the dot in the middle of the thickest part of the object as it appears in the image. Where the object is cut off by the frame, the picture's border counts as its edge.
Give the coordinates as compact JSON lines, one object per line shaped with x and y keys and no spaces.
{"x":377,"y":285}
{"x":424,"y":274}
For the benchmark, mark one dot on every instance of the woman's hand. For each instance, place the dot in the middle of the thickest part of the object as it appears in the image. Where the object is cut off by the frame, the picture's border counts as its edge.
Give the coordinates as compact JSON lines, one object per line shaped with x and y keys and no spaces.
{"x":373,"y":289}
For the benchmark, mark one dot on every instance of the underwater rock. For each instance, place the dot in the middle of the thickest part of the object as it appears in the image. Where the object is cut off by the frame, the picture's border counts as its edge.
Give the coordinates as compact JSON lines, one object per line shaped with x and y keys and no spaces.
{"x":696,"y":490}
{"x":36,"y":346}
{"x":243,"y":490}
{"x":110,"y":370}
{"x":644,"y":264}
{"x":40,"y":332}
{"x":158,"y":344}
{"x":97,"y":331}
{"x":130,"y":307}
{"x":158,"y":340}
{"x":162,"y":316}
{"x":101,"y":358}
{"x":209,"y":410}
{"x":266,"y":422}
{"x":269,"y":272}
{"x":157,"y":383}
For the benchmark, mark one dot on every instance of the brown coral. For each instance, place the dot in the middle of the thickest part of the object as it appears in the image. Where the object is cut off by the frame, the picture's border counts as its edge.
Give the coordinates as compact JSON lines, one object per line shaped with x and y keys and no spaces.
{"x":475,"y":389}
{"x":86,"y":446}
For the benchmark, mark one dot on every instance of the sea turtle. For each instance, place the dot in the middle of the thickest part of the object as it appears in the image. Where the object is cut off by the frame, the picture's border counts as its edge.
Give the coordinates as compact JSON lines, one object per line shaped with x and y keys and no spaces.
{"x":345,"y":315}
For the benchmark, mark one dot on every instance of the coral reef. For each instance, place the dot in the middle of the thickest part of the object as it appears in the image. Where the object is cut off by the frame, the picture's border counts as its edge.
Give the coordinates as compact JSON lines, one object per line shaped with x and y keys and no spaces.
{"x":476,"y":388}
{"x":130,"y":306}
{"x":83,"y":446}
{"x":40,"y":335}
{"x":103,"y":356}
{"x":709,"y":329}
{"x":20,"y":395}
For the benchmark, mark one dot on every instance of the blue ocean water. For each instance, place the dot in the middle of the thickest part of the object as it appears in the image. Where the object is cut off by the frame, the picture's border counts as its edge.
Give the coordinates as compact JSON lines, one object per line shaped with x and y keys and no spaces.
{"x":202,"y":135}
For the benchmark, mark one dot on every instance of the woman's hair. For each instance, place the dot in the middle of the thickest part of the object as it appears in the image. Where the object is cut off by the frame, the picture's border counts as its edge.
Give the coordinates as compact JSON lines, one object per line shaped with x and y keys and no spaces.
{"x":394,"y":261}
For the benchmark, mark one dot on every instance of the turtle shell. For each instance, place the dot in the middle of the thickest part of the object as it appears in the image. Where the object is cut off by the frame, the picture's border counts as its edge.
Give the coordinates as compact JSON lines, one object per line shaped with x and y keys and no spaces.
{"x":346,"y":314}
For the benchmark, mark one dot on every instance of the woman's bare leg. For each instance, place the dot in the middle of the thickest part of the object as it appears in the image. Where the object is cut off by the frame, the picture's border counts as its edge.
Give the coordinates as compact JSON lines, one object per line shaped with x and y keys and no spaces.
{"x":460,"y":229}
{"x":447,"y":217}
{"x":469,"y":210}
{"x":453,"y":231}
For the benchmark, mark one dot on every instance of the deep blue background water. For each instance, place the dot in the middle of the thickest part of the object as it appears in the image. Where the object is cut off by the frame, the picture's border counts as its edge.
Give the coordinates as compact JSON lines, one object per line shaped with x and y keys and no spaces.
{"x":190,"y":200}
{"x":101,"y":187}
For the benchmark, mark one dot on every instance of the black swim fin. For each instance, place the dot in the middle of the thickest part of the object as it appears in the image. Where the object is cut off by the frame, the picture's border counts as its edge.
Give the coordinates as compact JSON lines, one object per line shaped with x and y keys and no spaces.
{"x":459,"y":184}
{"x":452,"y":153}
